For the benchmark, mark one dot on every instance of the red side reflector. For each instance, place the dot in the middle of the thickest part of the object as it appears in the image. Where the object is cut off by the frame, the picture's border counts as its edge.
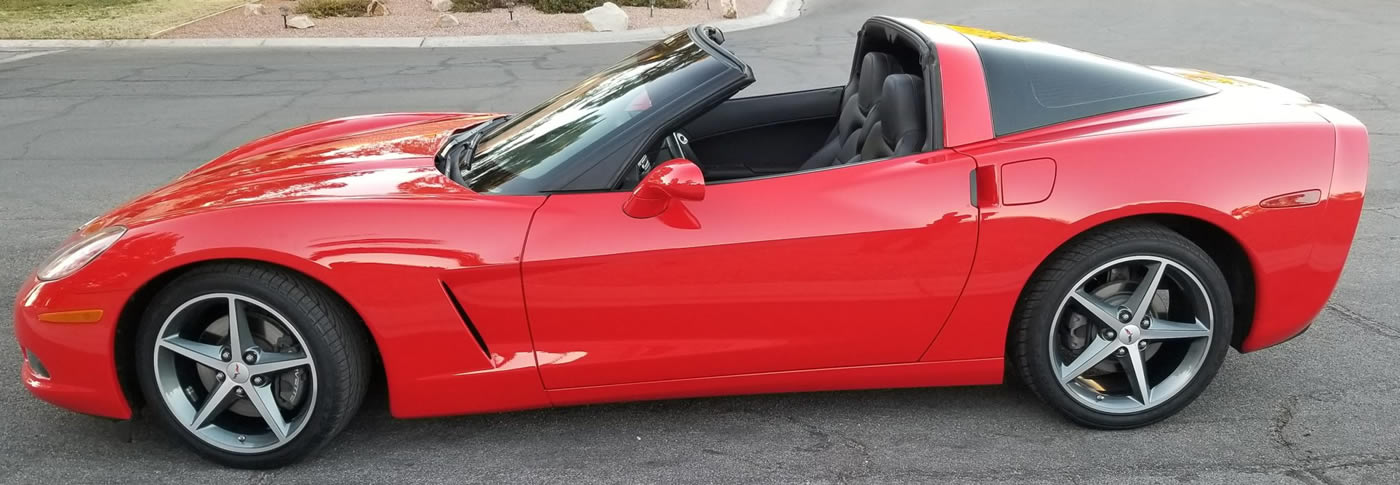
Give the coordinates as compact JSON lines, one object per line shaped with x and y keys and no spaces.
{"x":1296,"y":199}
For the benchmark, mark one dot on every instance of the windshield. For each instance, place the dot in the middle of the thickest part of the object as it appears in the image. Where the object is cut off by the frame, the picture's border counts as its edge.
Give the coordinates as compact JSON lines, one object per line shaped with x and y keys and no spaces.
{"x":511,"y":157}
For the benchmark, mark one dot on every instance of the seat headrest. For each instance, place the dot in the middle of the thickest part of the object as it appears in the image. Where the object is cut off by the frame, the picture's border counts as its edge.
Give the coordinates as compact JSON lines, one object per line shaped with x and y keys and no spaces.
{"x":874,"y":68}
{"x":901,"y":107}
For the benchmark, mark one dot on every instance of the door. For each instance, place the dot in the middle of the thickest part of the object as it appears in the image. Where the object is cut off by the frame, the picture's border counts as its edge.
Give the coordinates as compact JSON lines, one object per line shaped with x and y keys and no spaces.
{"x":854,"y":265}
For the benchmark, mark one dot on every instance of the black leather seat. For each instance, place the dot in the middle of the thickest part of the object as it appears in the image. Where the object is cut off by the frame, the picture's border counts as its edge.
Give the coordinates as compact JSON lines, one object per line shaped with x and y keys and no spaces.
{"x":858,"y":99}
{"x":897,"y":125}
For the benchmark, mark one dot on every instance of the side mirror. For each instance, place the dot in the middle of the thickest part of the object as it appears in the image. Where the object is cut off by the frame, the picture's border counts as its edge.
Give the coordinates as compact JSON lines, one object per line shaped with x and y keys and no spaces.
{"x":678,"y":179}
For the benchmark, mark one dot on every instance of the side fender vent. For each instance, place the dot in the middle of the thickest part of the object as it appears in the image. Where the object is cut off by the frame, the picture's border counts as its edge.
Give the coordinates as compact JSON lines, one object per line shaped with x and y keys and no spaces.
{"x":481,"y":342}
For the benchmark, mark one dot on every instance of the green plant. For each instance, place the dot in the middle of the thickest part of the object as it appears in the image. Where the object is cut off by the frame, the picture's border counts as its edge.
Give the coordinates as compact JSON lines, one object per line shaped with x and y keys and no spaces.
{"x":333,"y":8}
{"x":659,"y":3}
{"x":564,"y":6}
{"x":477,"y":5}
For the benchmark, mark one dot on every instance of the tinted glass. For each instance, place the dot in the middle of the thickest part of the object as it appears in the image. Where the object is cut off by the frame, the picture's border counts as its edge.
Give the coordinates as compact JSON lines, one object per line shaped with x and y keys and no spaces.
{"x":535,"y":142}
{"x":1033,"y":84}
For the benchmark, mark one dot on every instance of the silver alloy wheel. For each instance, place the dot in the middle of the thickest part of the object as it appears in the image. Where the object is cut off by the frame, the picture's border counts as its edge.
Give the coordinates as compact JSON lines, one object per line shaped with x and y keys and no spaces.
{"x":261,"y":368}
{"x":1131,"y":334}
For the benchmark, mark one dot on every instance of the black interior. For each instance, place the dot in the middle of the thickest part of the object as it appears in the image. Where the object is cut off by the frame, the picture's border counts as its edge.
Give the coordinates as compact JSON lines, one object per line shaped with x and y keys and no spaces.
{"x":763,"y":135}
{"x":881,"y":113}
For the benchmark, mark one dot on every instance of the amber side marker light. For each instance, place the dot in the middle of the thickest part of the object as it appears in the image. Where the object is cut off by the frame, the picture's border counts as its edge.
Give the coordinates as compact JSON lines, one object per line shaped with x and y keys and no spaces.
{"x":76,"y":316}
{"x":1296,"y":199}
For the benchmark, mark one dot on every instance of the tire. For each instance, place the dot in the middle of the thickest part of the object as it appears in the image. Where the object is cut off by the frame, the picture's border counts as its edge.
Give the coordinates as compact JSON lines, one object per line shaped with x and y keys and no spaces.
{"x":318,"y":338}
{"x":1056,"y":336}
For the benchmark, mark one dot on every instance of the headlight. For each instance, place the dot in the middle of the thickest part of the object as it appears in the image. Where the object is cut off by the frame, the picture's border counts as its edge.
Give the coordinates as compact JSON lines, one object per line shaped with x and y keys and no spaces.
{"x":73,"y":256}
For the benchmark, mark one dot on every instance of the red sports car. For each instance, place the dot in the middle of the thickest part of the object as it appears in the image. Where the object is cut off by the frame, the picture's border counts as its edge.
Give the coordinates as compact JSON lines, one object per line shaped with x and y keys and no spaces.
{"x":971,"y":202}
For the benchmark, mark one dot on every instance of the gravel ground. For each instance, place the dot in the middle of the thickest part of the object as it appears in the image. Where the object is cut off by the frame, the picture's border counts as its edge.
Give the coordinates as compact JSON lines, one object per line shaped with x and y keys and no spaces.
{"x":85,"y":129}
{"x":414,"y":18}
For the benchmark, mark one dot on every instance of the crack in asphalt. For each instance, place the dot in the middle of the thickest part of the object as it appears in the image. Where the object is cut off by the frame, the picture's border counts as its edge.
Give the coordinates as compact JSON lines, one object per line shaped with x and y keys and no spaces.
{"x":1363,"y":321}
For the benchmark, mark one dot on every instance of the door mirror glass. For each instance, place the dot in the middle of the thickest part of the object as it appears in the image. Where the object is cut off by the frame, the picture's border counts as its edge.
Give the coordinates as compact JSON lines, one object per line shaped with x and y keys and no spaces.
{"x":670,"y":182}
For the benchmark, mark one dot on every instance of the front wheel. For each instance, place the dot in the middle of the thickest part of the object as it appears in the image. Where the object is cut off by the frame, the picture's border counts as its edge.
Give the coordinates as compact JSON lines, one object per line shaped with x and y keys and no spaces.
{"x":1123,"y":327}
{"x":253,"y":366}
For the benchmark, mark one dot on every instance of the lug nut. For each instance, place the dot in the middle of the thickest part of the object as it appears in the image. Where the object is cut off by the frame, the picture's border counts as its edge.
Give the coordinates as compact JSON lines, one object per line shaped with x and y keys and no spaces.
{"x":238,"y":391}
{"x":1142,"y":345}
{"x":250,"y":357}
{"x":1124,"y":315}
{"x":219,"y":376}
{"x":1122,"y":351}
{"x":258,"y":380}
{"x":1109,"y":335}
{"x":1146,"y":322}
{"x":226,"y":355}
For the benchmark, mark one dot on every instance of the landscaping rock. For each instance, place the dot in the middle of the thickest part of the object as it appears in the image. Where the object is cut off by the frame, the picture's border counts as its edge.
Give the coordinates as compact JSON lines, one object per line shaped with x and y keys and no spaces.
{"x":251,"y":9}
{"x":730,"y":11}
{"x":377,"y":7}
{"x":607,"y":18}
{"x":448,"y":20}
{"x":300,"y":22}
{"x":441,"y":5}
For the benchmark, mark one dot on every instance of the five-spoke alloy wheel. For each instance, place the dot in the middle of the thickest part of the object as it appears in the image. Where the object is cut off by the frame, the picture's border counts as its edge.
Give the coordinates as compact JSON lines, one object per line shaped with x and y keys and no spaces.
{"x":1123,"y":327}
{"x":248,"y":363}
{"x":253,"y":365}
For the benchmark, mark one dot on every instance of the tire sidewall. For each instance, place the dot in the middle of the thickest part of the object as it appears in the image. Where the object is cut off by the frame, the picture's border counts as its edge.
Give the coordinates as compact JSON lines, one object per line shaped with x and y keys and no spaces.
{"x":1043,"y":314}
{"x":317,"y":429}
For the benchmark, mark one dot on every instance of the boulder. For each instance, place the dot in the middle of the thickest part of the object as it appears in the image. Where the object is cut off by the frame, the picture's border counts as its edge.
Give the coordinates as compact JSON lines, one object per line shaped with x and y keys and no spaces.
{"x":251,"y":9}
{"x":730,"y":11}
{"x":606,"y":18}
{"x":300,"y":22}
{"x":376,"y":7}
{"x":448,"y":20}
{"x":441,"y":5}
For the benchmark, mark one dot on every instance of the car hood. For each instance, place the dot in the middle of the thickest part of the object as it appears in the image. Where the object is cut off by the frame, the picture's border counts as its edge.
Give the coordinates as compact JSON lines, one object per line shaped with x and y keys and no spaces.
{"x":376,"y":156}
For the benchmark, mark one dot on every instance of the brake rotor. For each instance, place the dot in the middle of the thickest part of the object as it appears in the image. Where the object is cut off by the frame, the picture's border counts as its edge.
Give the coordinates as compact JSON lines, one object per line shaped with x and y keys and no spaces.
{"x":1113,"y":292}
{"x":289,"y":388}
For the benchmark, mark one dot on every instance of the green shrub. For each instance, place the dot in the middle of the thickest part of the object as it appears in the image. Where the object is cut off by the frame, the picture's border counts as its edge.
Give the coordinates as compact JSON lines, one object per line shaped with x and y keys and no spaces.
{"x":564,"y":6}
{"x":332,"y":8}
{"x":478,"y":5}
{"x":659,"y":3}
{"x":576,"y":6}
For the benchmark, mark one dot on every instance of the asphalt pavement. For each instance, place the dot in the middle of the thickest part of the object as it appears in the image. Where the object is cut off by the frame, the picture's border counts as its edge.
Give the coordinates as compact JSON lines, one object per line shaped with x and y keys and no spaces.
{"x":84,"y":129}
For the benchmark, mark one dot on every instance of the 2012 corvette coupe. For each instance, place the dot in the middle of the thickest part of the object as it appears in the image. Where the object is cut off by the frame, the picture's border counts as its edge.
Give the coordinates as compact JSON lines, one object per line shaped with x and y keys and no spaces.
{"x":971,"y":202}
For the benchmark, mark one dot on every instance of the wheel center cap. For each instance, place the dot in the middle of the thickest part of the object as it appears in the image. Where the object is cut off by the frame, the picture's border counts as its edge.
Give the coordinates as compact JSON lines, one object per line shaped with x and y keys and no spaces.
{"x":238,"y":372}
{"x":1129,"y":334}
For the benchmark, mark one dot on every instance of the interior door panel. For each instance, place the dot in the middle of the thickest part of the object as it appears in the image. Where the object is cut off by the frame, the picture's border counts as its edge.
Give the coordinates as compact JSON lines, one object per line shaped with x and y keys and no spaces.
{"x":855,"y":265}
{"x":763,"y":135}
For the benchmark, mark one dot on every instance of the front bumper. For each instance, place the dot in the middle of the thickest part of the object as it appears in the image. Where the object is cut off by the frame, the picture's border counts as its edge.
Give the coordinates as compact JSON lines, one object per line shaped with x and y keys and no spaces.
{"x":78,"y":358}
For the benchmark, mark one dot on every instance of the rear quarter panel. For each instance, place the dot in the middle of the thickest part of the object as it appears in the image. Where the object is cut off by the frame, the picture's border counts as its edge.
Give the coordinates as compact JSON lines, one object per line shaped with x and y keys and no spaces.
{"x":1198,"y":159}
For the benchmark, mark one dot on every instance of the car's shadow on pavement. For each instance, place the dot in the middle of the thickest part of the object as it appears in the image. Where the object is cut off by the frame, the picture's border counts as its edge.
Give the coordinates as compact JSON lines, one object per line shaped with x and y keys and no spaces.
{"x":717,"y":426}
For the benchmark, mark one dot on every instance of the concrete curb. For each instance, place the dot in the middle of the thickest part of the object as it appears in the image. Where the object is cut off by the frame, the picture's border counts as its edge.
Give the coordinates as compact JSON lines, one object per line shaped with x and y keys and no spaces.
{"x":778,"y":11}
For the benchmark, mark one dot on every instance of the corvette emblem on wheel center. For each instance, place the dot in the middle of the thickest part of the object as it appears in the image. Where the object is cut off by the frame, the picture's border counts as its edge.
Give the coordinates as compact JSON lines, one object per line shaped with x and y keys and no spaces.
{"x":1129,"y":334}
{"x":238,"y":372}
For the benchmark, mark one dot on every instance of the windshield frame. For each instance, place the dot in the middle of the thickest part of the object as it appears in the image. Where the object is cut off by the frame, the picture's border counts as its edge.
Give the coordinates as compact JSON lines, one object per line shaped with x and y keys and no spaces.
{"x":707,"y":75}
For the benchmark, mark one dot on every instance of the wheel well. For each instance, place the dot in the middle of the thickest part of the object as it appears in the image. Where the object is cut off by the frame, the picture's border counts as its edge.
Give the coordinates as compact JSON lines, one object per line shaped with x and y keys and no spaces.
{"x":129,"y":321}
{"x":1229,"y":255}
{"x":1224,"y":250}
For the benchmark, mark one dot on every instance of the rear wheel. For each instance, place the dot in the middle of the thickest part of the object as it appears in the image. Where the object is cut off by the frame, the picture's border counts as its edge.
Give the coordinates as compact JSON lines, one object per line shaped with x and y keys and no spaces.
{"x":1124,"y":327}
{"x":253,"y":366}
